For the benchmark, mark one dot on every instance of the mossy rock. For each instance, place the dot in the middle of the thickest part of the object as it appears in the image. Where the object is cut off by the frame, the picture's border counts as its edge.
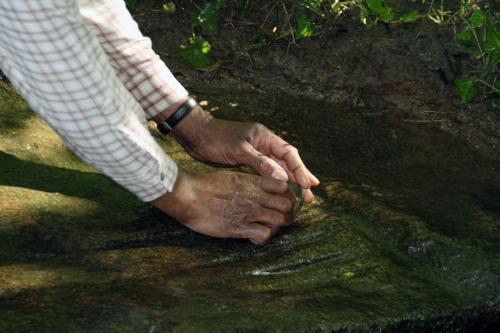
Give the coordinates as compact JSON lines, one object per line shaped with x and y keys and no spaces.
{"x":403,"y":236}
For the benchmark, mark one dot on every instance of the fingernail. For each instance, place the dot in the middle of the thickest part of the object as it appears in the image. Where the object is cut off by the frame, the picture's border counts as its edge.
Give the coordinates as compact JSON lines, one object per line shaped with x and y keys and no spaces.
{"x":279,"y":175}
{"x":316,"y":180}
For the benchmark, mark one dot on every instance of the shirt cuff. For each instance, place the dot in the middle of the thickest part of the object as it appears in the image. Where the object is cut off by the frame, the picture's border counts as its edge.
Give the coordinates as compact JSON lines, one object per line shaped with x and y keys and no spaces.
{"x":153,"y":183}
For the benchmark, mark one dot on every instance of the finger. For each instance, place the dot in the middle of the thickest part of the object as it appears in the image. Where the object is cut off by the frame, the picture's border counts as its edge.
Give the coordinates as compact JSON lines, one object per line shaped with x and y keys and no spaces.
{"x":290,"y":155}
{"x":263,"y":164}
{"x":273,"y":186}
{"x":308,"y":196}
{"x":312,"y":178}
{"x":291,"y":177}
{"x":314,"y":181}
{"x":278,"y":203}
{"x":269,"y":217}
{"x":257,"y":233}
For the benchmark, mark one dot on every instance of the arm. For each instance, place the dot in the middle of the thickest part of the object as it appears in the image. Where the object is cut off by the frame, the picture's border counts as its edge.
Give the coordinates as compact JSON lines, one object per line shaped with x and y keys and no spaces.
{"x":137,"y":66}
{"x":206,"y":138}
{"x":59,"y":67}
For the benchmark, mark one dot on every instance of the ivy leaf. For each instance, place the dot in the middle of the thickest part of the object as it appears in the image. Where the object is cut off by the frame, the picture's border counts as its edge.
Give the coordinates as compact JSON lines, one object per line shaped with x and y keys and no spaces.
{"x":208,"y":18}
{"x":375,"y":5}
{"x":492,"y":41}
{"x":197,"y":52}
{"x":466,"y":89}
{"x":491,"y":44}
{"x":383,"y":11}
{"x":476,"y":20}
{"x":411,"y":17}
{"x":305,"y":28}
{"x":169,"y":7}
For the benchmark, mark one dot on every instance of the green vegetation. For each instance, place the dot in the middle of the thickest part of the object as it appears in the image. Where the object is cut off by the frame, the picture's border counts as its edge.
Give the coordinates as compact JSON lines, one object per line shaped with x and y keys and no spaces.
{"x":208,"y":17}
{"x":169,"y":7}
{"x":381,"y":9}
{"x":465,"y":88}
{"x":474,"y":24}
{"x":305,"y":28}
{"x":197,"y":52}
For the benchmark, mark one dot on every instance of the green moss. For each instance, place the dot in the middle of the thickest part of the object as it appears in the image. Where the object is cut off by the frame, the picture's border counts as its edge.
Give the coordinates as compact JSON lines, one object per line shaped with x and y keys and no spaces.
{"x":80,"y":254}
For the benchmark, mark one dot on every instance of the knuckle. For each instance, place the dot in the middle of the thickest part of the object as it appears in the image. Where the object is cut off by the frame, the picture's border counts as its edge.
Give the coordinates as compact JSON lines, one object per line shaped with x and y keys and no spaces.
{"x":282,"y":204}
{"x":258,"y":126}
{"x":279,"y":218}
{"x":286,"y":205}
{"x":270,"y":216}
{"x":293,"y":149}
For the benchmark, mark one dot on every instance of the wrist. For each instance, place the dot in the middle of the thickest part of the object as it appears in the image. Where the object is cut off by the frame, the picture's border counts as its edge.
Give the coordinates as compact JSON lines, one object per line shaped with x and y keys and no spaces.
{"x":189,"y":130}
{"x":176,"y":202}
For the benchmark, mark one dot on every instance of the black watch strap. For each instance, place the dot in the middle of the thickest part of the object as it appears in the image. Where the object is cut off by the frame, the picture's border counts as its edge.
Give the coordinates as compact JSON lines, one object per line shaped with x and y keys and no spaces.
{"x":168,"y":125}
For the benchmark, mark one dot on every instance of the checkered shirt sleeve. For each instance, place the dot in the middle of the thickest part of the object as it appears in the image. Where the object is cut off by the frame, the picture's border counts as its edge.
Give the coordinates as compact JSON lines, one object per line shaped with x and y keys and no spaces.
{"x":59,"y":66}
{"x":137,"y":65}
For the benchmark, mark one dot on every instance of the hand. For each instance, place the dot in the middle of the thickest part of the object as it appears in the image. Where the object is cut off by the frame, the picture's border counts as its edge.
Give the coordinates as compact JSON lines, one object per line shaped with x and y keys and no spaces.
{"x":224,"y":142}
{"x":229,"y":205}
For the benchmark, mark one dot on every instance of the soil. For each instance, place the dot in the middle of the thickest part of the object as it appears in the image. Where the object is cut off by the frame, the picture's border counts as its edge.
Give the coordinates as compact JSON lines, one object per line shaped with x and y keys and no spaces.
{"x":400,"y":71}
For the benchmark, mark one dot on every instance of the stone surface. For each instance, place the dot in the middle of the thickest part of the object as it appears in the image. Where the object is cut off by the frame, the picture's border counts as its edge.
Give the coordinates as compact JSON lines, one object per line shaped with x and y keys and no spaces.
{"x":404,"y":235}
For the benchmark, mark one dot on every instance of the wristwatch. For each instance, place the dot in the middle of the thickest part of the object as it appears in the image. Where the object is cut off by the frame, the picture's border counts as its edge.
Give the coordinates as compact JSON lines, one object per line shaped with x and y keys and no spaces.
{"x":166,"y":126}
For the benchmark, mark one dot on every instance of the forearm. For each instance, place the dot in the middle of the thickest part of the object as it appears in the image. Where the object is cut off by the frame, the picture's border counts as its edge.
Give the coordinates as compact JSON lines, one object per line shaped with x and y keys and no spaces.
{"x":70,"y":83}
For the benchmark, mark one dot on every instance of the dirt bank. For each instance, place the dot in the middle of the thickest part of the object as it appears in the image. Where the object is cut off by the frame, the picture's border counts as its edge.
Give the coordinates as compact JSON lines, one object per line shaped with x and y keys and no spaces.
{"x":399,"y":71}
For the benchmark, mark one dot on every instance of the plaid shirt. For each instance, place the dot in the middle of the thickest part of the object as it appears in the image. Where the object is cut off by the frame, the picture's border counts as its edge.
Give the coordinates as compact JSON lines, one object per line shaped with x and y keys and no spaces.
{"x":86,"y":69}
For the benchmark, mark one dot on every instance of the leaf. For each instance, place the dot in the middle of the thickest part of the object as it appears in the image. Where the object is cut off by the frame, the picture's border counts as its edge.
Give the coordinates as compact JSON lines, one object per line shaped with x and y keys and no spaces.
{"x":387,"y":15}
{"x":169,"y":7}
{"x":383,"y":11}
{"x":375,"y":5}
{"x":476,"y":20}
{"x":466,"y":89}
{"x":491,"y":45}
{"x":208,"y":18}
{"x":305,"y":28}
{"x":197,"y":52}
{"x":411,"y":17}
{"x":492,"y":41}
{"x":465,"y":36}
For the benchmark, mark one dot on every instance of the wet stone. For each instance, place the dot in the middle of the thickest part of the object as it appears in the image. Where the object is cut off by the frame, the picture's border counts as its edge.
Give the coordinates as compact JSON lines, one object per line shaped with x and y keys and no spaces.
{"x":404,"y":236}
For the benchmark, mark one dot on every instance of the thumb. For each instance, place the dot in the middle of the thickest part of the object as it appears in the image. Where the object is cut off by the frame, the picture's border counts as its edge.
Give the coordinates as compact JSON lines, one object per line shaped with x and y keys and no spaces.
{"x":263,"y":164}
